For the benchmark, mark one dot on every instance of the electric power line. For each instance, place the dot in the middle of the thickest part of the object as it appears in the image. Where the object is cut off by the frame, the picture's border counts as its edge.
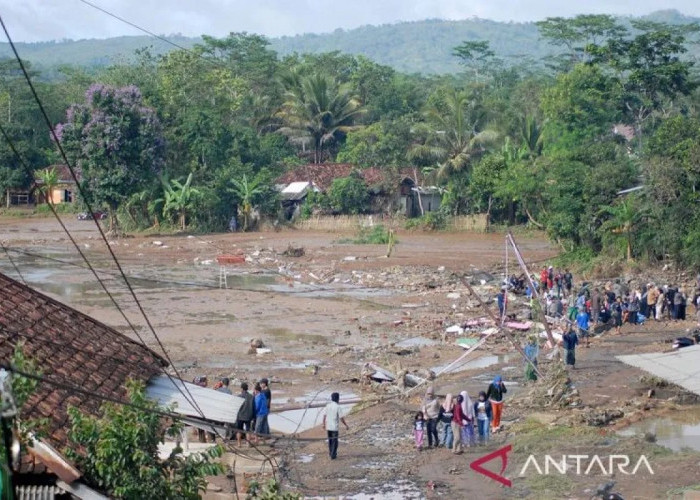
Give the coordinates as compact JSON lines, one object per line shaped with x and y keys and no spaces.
{"x":89,"y":207}
{"x":191,"y":398}
{"x":13,"y":263}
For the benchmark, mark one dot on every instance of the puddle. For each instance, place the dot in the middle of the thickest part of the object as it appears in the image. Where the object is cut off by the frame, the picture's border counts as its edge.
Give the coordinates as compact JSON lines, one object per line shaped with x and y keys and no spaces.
{"x":305,"y":459}
{"x":398,"y":490}
{"x":482,"y":362}
{"x":677,"y":432}
{"x":416,"y":342}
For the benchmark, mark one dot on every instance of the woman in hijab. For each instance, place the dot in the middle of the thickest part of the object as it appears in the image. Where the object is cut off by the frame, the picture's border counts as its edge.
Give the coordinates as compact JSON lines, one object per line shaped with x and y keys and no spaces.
{"x":445,"y":419}
{"x":494,"y":394}
{"x":468,"y":413}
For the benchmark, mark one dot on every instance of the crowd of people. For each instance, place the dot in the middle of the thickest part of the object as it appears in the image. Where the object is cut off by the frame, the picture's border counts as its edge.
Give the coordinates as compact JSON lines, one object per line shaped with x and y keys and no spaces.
{"x":459,"y":422}
{"x":251,"y":423}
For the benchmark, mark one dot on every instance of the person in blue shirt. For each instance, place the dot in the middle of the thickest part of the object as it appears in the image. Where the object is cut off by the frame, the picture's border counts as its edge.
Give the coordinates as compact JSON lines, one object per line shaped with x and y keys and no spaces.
{"x":501,"y":298}
{"x":582,"y":322}
{"x":261,"y":412}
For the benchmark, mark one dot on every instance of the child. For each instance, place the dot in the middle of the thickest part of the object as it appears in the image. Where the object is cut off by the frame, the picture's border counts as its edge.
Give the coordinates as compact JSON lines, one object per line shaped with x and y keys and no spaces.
{"x":482,"y":410}
{"x":419,"y":429}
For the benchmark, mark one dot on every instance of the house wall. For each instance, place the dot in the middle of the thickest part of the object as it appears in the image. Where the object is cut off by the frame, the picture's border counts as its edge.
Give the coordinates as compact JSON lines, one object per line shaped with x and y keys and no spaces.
{"x":62,"y":194}
{"x":345,"y":223}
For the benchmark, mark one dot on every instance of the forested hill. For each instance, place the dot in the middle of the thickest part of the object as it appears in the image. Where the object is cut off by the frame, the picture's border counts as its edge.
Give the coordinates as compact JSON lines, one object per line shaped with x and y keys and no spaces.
{"x":413,"y":47}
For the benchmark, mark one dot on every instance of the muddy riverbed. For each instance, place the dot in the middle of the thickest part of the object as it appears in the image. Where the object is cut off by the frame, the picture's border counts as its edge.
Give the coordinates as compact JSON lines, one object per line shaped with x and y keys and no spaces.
{"x":323,"y":316}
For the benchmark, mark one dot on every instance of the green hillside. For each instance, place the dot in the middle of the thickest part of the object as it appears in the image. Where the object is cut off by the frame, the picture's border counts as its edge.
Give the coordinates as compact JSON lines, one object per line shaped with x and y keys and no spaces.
{"x":413,"y":47}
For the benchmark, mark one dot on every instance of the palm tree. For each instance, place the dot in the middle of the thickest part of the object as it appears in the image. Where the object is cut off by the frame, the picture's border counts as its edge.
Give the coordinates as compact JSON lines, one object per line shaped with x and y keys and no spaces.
{"x":624,"y":219}
{"x":532,"y":135}
{"x":246,"y":191}
{"x":317,"y":110}
{"x":454,"y":134}
{"x":49,"y":180}
{"x":178,"y":198}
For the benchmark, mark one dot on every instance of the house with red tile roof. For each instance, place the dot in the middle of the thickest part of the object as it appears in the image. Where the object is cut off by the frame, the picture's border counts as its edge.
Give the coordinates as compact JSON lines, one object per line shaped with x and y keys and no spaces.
{"x":73,"y":350}
{"x":392,"y":190}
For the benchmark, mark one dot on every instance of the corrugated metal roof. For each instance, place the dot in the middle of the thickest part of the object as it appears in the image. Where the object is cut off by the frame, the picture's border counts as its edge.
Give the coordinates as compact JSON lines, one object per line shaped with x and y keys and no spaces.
{"x":681,"y":367}
{"x":38,"y":492}
{"x":216,"y":406}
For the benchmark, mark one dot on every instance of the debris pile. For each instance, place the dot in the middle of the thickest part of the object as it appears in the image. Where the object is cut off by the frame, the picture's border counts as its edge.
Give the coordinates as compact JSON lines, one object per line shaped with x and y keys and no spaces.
{"x":555,"y":389}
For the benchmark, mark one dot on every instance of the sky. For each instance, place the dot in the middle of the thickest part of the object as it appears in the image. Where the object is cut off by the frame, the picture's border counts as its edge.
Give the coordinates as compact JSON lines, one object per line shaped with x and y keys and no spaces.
{"x":41,"y":20}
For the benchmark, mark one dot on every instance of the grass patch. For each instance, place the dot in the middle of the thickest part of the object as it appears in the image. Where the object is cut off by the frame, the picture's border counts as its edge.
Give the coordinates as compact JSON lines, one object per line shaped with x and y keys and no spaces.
{"x":548,"y":487}
{"x":375,"y":235}
{"x":581,"y":260}
{"x":680,"y":491}
{"x":432,"y":221}
{"x":532,"y":436}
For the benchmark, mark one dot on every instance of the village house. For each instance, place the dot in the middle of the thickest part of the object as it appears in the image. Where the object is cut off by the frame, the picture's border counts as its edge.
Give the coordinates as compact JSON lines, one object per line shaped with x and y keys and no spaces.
{"x":73,"y":350}
{"x":63,"y":192}
{"x":391,"y":190}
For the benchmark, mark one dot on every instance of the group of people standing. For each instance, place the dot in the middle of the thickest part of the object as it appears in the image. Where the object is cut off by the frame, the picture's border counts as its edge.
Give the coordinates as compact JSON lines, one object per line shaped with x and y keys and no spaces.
{"x":458,"y":421}
{"x":252,"y":415}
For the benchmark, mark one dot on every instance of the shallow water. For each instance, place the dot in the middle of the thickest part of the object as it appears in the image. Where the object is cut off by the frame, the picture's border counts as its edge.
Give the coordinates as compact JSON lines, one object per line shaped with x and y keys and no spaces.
{"x":482,"y":362}
{"x":682,"y":430}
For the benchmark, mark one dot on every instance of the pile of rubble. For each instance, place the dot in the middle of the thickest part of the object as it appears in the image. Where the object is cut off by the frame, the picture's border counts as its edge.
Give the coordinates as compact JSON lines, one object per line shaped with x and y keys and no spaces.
{"x":554,"y":390}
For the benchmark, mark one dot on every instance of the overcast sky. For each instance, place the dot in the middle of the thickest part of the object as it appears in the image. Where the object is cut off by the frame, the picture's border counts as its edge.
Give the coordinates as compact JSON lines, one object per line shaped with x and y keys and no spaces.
{"x":33,"y":20}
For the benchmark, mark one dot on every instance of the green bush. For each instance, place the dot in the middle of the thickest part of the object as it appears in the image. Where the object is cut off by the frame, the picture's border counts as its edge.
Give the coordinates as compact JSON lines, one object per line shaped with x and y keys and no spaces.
{"x":432,"y":221}
{"x":375,"y":235}
{"x":348,"y":195}
{"x":61,"y":208}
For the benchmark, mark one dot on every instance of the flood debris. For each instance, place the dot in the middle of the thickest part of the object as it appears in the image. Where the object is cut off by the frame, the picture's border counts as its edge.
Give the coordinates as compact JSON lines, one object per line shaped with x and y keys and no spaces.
{"x":293,"y":251}
{"x":255,"y":344}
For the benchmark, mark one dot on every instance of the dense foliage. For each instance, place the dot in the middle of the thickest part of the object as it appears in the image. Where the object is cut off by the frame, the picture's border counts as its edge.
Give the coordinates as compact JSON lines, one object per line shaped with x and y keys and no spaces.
{"x":120,"y":452}
{"x":190,"y":139}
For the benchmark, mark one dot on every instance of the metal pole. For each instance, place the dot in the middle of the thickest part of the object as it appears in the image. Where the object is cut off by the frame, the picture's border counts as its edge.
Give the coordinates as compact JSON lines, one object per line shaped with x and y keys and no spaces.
{"x":510,"y":335}
{"x":521,"y":261}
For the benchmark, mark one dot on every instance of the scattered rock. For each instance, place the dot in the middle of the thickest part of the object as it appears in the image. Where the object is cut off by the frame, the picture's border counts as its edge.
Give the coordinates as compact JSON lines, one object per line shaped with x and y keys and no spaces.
{"x":158,"y":243}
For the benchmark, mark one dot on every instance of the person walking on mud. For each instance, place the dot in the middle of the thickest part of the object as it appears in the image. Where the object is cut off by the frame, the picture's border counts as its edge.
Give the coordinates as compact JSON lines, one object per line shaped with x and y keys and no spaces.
{"x":445,"y":418}
{"x":583,"y":326}
{"x":468,"y":424}
{"x":431,"y":411}
{"x":419,"y":430}
{"x":331,"y":423}
{"x":494,"y":394}
{"x":483,"y":412}
{"x":569,"y":341}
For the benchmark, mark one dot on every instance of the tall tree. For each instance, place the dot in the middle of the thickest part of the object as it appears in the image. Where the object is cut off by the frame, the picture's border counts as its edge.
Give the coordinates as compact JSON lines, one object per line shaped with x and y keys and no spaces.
{"x":116,"y":142}
{"x":575,"y":36}
{"x":455,"y":136}
{"x":318,"y":111}
{"x":649,"y":69}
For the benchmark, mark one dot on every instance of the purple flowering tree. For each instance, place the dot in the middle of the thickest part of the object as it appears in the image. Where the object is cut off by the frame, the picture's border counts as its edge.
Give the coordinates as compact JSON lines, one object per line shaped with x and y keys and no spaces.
{"x":116,"y":142}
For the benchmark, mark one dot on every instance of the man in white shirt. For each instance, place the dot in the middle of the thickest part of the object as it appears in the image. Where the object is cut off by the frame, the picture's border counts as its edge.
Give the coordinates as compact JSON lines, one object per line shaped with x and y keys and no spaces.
{"x":331,"y":422}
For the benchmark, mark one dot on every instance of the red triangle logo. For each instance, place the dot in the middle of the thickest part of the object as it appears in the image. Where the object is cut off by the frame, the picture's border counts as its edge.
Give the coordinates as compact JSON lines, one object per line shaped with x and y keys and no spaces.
{"x":476,"y":465}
